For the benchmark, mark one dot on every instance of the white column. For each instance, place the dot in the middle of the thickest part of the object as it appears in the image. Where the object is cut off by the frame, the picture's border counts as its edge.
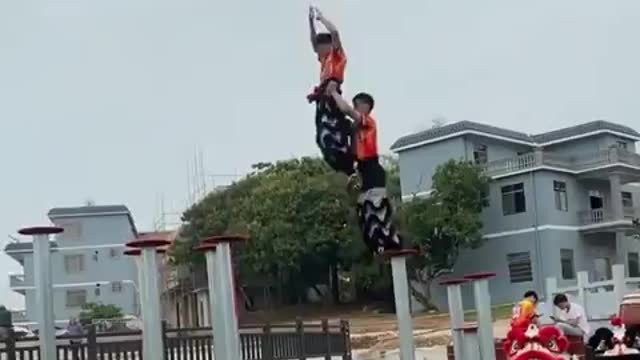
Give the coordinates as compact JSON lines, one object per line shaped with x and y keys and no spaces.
{"x":44,"y":296}
{"x":153,"y":349}
{"x":456,"y":315}
{"x":227,"y":300}
{"x":219,"y":342}
{"x":485,"y":320}
{"x":619,"y":283}
{"x":403,"y":313}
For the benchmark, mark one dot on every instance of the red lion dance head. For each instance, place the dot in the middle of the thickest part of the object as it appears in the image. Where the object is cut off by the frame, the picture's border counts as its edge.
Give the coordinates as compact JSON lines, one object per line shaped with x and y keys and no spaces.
{"x":533,"y":343}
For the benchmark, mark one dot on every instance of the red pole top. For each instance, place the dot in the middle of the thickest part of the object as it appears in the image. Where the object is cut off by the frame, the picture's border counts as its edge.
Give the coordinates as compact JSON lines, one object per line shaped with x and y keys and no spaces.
{"x":224,"y":239}
{"x":40,"y":230}
{"x":400,"y":252}
{"x":479,"y":275}
{"x":205,"y":247}
{"x":148,"y":243}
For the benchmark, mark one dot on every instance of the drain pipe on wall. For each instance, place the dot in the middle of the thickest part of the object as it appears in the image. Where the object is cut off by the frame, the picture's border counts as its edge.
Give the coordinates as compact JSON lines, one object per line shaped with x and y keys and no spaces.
{"x":538,"y":281}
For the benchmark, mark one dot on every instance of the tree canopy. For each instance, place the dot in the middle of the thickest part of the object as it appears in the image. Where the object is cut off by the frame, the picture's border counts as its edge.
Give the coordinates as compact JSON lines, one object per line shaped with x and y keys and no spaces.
{"x":302,"y":222}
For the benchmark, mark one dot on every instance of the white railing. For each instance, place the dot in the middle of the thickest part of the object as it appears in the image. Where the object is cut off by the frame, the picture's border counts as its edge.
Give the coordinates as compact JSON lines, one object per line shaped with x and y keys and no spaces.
{"x":600,"y":299}
{"x":583,"y":162}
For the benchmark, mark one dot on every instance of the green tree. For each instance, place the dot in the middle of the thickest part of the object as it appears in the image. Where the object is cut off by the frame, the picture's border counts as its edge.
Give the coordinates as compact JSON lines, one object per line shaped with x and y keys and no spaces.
{"x":297,"y":213}
{"x":445,"y":222}
{"x":98,"y":311}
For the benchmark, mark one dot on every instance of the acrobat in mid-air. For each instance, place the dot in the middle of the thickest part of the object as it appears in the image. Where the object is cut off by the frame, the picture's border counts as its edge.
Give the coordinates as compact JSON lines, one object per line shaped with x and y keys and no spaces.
{"x":348,"y":134}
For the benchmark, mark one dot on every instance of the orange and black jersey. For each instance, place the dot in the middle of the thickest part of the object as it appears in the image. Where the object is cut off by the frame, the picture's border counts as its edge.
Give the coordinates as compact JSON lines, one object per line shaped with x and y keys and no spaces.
{"x":332,"y":66}
{"x":366,"y":138}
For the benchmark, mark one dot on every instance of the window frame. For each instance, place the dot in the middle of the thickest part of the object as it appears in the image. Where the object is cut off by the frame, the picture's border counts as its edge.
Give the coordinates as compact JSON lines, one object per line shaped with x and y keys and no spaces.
{"x":520,"y":258}
{"x":572,"y":271}
{"x":67,"y":264}
{"x":512,"y":192}
{"x":636,"y":267}
{"x":560,"y":194}
{"x":75,"y":292}
{"x":478,"y":151}
{"x":627,"y":199}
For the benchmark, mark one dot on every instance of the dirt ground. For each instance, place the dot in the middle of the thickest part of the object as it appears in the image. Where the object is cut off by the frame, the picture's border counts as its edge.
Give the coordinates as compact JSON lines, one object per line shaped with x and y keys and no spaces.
{"x":373,"y":330}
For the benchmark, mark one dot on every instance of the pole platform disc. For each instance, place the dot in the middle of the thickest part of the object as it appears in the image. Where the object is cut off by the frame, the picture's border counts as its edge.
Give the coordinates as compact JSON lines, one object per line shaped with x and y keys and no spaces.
{"x":454,"y":281}
{"x":479,"y":275}
{"x":147,"y":243}
{"x":218,"y":239}
{"x":137,"y":252}
{"x":205,"y":246}
{"x":400,"y":252}
{"x":40,"y":230}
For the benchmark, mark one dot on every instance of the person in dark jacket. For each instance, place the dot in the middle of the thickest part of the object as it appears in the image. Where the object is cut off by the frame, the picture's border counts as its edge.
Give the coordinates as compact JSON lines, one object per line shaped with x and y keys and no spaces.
{"x":5,"y":322}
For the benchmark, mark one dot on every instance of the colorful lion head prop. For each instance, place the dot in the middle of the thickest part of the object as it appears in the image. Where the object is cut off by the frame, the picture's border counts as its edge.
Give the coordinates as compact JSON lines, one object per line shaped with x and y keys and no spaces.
{"x":619,"y":341}
{"x":533,"y":343}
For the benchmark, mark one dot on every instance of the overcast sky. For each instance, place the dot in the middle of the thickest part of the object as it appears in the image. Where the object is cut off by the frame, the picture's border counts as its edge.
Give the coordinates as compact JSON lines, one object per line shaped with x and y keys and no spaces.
{"x":106,"y":99}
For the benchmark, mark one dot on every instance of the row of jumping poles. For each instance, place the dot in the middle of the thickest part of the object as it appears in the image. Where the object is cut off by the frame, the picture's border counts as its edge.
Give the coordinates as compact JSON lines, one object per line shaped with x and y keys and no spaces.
{"x":222,"y":302}
{"x":470,"y":341}
{"x":220,"y":278}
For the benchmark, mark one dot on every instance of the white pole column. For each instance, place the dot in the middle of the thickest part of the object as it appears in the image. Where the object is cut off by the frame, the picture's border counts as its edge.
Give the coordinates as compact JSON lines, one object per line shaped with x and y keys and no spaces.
{"x":152,"y":347}
{"x":224,"y":312}
{"x":227,"y":298}
{"x":402,"y":299}
{"x":141,"y":290}
{"x":44,"y":288}
{"x":219,"y":341}
{"x":456,"y":314}
{"x":483,"y":310}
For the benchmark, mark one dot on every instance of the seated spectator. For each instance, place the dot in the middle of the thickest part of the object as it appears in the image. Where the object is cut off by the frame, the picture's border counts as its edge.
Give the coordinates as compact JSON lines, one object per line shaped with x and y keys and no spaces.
{"x":571,"y":319}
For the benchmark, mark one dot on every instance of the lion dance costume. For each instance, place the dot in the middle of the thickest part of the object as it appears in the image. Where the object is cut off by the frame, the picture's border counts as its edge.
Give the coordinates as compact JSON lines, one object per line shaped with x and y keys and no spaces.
{"x":536,"y":343}
{"x":621,"y":342}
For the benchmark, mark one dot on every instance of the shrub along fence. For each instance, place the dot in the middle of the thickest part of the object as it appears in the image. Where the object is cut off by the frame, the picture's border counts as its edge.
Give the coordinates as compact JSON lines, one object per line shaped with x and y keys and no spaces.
{"x":297,"y":341}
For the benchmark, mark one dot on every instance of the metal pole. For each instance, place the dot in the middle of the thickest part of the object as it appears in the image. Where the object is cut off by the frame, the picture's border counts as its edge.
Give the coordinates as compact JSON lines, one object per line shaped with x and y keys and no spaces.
{"x":214,"y":307}
{"x":401,"y":294}
{"x":227,"y":300}
{"x":152,"y":319}
{"x":456,"y":315}
{"x":44,"y":296}
{"x":483,"y":309}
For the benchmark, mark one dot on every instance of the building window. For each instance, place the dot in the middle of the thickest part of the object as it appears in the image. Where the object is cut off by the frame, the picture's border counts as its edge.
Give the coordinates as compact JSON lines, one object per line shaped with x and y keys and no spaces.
{"x":485,"y":194}
{"x":560,"y":191}
{"x":480,"y":156}
{"x":76,"y":298}
{"x":96,"y":291}
{"x":633,"y":262}
{"x":513,"y":199}
{"x":520,"y":267}
{"x":566,"y":264}
{"x":72,"y":231}
{"x":73,"y":263}
{"x":627,"y":199}
{"x":116,"y":286}
{"x":622,"y":145}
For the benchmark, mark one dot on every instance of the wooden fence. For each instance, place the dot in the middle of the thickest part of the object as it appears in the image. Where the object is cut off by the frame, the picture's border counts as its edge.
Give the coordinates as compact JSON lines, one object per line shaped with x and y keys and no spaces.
{"x":299,"y":341}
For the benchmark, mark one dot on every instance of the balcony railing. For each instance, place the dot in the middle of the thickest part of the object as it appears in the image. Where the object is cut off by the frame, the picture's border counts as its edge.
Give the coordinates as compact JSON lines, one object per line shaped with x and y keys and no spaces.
{"x":16,"y":280}
{"x":602,"y":216}
{"x":582,"y":162}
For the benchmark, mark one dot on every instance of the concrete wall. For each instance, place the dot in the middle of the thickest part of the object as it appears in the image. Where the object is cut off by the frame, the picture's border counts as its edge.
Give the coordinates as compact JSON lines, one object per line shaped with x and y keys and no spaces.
{"x":418,"y":165}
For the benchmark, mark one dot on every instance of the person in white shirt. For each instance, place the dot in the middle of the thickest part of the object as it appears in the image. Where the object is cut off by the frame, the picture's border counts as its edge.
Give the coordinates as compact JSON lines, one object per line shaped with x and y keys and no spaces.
{"x":571,"y":319}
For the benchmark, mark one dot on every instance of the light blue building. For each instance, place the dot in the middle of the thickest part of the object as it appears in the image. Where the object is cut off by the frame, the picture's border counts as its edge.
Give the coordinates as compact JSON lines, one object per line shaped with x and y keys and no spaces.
{"x":559,"y":202}
{"x":87,"y":259}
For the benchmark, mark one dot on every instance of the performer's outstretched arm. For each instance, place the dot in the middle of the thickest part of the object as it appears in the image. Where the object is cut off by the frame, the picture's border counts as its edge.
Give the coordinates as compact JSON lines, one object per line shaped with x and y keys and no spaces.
{"x":331,"y":28}
{"x":347,"y":109}
{"x":312,"y":27}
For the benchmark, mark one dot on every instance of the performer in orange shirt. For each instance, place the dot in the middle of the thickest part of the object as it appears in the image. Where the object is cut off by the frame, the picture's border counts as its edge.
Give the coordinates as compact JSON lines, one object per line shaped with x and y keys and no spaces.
{"x":525,"y":312}
{"x":333,"y":130}
{"x":374,"y":208}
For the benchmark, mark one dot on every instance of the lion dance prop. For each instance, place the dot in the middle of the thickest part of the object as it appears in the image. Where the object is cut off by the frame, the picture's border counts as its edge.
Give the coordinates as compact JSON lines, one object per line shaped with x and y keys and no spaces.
{"x":334,"y":134}
{"x":533,"y":343}
{"x":620,"y":342}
